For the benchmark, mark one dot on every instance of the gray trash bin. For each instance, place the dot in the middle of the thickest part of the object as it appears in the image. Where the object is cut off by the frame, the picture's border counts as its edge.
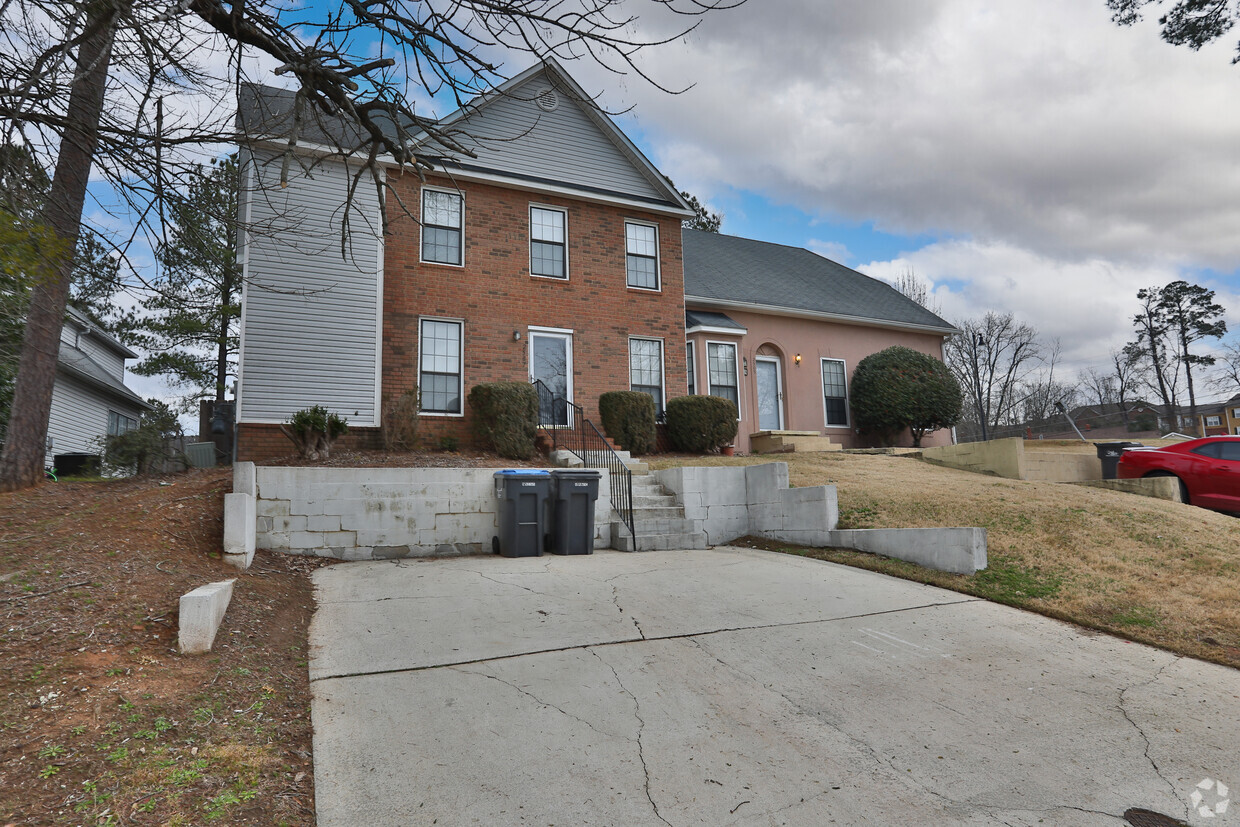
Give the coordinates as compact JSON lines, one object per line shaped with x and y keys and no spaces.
{"x":574,"y":492}
{"x":1109,"y":453}
{"x":523,"y":496}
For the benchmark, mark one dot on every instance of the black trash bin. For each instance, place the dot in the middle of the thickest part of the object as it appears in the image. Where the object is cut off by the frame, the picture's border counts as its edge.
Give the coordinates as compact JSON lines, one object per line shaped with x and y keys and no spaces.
{"x":574,"y":492}
{"x":523,"y":496}
{"x":78,"y":465}
{"x":1109,"y":453}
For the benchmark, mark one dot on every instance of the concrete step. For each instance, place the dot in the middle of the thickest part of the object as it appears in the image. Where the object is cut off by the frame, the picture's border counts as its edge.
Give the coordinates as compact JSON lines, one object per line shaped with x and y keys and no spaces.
{"x":652,"y":500}
{"x":782,"y":442}
{"x":664,"y":525}
{"x":655,"y":542}
{"x":665,"y":512}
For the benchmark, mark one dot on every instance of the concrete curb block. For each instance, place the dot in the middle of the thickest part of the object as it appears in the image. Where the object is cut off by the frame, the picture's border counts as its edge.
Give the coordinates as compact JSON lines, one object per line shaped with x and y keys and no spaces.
{"x":245,"y":478}
{"x":1162,"y":488}
{"x":201,"y":613}
{"x":239,"y":530}
{"x":955,"y":550}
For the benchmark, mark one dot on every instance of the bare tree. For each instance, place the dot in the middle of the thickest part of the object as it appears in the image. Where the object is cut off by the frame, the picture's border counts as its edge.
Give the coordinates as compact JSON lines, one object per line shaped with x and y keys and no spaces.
{"x":1124,"y":371}
{"x":1098,"y":387}
{"x":1227,"y":370}
{"x":992,"y":357}
{"x":914,"y":287}
{"x":361,"y":64}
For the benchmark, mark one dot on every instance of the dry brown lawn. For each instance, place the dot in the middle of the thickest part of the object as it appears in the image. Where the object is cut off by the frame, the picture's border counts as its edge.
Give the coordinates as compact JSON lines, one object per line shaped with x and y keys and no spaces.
{"x":1149,"y":570}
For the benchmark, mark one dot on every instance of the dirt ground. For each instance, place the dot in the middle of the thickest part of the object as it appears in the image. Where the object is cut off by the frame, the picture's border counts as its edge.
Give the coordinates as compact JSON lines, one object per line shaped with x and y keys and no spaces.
{"x":102,"y":721}
{"x":1148,"y":570}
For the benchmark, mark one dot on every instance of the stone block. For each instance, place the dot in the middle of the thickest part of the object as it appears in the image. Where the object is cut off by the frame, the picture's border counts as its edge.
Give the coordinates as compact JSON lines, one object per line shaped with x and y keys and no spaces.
{"x":327,"y":522}
{"x":285,"y":525}
{"x":201,"y":613}
{"x":240,"y":526}
{"x":306,"y":539}
{"x":272,"y":508}
{"x":955,"y":550}
{"x":245,"y":478}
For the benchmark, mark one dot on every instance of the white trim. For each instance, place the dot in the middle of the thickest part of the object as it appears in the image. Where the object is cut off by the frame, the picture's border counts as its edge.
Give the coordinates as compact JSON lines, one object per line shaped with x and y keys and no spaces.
{"x":529,"y":247}
{"x":244,"y":207}
{"x":775,"y":310}
{"x":718,"y":331}
{"x":460,"y":356}
{"x":322,"y":151}
{"x":822,"y":384}
{"x":565,"y":336}
{"x":658,"y":255}
{"x":459,"y":193}
{"x":538,"y":329}
{"x":662,"y":365}
{"x":691,"y":367}
{"x":779,"y":389}
{"x":736,"y":352}
{"x":1217,"y":423}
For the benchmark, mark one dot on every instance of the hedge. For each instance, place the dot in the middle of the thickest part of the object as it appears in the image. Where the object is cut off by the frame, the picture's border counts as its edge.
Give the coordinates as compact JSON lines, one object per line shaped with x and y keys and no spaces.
{"x":628,"y":418}
{"x":505,"y":417}
{"x":700,"y":424}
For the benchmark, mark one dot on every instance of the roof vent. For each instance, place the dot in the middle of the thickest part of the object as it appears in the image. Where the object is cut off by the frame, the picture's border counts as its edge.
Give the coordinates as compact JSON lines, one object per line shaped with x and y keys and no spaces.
{"x":547,"y":100}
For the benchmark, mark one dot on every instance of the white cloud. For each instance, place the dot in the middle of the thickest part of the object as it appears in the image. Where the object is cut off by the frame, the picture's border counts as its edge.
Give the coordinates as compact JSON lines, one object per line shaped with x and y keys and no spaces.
{"x":833,"y":250}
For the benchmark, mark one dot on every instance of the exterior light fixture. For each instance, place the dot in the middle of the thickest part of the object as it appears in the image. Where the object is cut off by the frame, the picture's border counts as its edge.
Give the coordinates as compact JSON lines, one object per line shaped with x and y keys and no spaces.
{"x":797,"y":358}
{"x":516,"y":335}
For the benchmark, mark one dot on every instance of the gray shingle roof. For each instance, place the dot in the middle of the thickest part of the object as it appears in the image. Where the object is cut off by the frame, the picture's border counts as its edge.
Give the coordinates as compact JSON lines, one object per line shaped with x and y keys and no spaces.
{"x":78,"y":364}
{"x":728,"y":268}
{"x":701,"y":318}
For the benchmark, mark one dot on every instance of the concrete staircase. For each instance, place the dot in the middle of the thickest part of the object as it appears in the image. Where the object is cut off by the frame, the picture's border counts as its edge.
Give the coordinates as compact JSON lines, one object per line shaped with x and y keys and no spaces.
{"x":659,"y":521}
{"x":787,"y":442}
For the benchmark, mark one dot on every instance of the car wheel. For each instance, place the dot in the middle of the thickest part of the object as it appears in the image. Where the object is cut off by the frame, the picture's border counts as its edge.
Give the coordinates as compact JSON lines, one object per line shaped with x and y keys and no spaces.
{"x":1183,"y":488}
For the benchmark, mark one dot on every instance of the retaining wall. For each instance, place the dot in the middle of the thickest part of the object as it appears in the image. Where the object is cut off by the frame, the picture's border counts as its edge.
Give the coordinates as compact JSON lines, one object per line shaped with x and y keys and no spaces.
{"x":1008,"y":458}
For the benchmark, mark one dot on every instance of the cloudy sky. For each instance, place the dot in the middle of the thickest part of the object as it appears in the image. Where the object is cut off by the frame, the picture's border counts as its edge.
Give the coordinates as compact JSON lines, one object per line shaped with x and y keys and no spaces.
{"x":1029,"y":157}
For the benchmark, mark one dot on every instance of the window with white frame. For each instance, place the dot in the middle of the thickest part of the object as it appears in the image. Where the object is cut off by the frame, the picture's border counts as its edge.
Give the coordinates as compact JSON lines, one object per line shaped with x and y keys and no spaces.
{"x":835,"y":392}
{"x":1235,"y":413}
{"x":548,"y":247}
{"x":689,"y":364}
{"x":721,"y":372}
{"x":439,"y":376}
{"x":442,"y":236}
{"x":646,"y":369}
{"x":641,"y":244}
{"x":119,"y":423}
{"x":1214,"y":421}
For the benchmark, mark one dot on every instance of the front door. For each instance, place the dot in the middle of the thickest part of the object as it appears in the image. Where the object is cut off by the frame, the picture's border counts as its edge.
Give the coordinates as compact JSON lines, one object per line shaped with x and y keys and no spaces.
{"x":551,"y":362}
{"x":770,"y":398}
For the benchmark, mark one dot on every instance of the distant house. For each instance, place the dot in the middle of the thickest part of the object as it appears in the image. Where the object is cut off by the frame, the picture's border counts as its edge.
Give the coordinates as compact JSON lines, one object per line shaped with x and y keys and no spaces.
{"x":1220,"y":418}
{"x":89,"y":398}
{"x":553,"y":252}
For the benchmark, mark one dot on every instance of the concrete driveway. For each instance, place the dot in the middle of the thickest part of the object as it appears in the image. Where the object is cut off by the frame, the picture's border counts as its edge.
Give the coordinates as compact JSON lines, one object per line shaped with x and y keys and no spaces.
{"x":733,"y":686}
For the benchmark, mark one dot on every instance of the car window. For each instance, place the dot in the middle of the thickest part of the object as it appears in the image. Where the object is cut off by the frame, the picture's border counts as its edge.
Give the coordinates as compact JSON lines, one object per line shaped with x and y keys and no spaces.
{"x":1231,"y":451}
{"x":1210,"y":449}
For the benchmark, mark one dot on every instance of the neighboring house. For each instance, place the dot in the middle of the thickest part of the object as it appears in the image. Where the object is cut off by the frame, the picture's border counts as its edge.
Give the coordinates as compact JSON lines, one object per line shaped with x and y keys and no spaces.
{"x":1220,"y":418}
{"x":89,"y":399}
{"x":553,"y":254}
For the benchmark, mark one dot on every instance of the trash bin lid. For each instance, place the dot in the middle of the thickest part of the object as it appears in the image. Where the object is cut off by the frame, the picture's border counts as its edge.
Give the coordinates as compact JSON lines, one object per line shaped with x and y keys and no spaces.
{"x":523,"y":472}
{"x":590,"y":473}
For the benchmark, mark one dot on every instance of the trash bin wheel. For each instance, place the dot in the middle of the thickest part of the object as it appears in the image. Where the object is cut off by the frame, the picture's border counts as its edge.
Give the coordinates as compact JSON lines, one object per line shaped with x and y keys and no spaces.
{"x":495,"y":545}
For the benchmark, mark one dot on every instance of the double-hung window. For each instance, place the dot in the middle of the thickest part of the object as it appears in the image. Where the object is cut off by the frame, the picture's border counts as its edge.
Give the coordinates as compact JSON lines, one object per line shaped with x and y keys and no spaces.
{"x":646,"y":369}
{"x":690,"y":367}
{"x":835,"y":393}
{"x":641,"y":261}
{"x":1214,"y":421}
{"x":439,"y":377}
{"x":721,"y":371}
{"x":442,"y":236}
{"x":548,"y":250}
{"x":119,"y":423}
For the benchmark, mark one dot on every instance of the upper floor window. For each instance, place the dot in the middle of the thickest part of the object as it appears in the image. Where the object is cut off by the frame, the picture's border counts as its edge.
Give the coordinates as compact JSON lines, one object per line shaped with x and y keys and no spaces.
{"x":439,"y":379}
{"x":721,"y":372}
{"x":835,"y":392}
{"x":442,"y":234}
{"x":1214,"y":421}
{"x":646,"y":369}
{"x":641,"y":243}
{"x":548,"y":251}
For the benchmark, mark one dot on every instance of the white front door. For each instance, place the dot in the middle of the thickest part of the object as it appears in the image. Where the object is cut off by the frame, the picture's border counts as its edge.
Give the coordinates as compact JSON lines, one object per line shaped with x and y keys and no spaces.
{"x":770,"y":397}
{"x":551,"y":362}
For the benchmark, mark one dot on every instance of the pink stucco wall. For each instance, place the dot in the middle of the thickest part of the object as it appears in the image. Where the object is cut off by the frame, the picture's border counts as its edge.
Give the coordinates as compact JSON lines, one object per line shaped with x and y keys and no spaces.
{"x":802,"y":384}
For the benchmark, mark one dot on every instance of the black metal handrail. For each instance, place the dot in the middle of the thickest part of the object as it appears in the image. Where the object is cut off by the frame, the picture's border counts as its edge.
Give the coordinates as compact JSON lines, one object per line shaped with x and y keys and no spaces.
{"x":580,"y":437}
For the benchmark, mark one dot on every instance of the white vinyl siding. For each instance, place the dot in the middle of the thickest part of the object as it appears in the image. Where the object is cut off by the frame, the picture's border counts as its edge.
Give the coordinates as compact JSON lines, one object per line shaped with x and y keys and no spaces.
{"x":78,"y":419}
{"x":310,"y":319}
{"x":548,"y":242}
{"x":512,"y":134}
{"x":443,"y":226}
{"x":641,"y":259}
{"x":439,"y":358}
{"x":721,"y":372}
{"x":646,"y":369}
{"x":835,"y":393}
{"x":103,"y":354}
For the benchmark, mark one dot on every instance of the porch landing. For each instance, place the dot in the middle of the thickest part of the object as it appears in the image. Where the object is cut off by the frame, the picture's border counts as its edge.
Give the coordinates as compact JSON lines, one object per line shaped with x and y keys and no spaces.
{"x":787,"y":442}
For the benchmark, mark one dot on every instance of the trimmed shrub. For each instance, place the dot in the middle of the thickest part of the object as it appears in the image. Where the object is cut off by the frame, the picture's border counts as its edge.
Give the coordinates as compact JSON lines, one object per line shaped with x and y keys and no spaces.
{"x":628,"y":418}
{"x":900,"y":388}
{"x":700,"y":424}
{"x":313,"y":430}
{"x":505,"y":417}
{"x":400,"y":422}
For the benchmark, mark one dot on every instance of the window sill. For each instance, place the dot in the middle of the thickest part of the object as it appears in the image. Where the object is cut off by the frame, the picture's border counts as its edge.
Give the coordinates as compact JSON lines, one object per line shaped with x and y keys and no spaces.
{"x":442,"y":414}
{"x":643,"y":289}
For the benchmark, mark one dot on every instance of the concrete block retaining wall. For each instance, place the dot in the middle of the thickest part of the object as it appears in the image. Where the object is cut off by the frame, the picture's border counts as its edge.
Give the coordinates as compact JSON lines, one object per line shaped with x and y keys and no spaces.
{"x":1008,"y":458}
{"x":384,"y":513}
{"x":731,"y":502}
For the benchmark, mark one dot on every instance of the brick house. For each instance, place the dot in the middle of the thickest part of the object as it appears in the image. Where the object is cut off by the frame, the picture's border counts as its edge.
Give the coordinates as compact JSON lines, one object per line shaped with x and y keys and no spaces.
{"x":554,"y":253}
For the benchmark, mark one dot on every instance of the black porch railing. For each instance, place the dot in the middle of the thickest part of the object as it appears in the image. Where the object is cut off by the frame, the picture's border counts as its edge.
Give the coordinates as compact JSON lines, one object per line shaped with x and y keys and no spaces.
{"x":572,"y":432}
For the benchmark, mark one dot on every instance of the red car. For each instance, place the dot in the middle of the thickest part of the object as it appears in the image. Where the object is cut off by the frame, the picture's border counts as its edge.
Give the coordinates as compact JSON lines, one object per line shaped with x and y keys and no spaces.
{"x":1208,"y":469}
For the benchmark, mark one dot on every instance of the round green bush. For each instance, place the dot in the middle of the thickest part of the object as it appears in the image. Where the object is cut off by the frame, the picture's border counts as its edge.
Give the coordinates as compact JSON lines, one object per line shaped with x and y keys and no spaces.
{"x":900,"y":388}
{"x":505,"y":417}
{"x":701,"y":424}
{"x":628,"y":418}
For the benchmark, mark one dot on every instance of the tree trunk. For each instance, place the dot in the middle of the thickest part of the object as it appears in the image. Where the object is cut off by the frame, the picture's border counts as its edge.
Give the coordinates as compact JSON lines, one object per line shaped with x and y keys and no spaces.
{"x":21,"y":464}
